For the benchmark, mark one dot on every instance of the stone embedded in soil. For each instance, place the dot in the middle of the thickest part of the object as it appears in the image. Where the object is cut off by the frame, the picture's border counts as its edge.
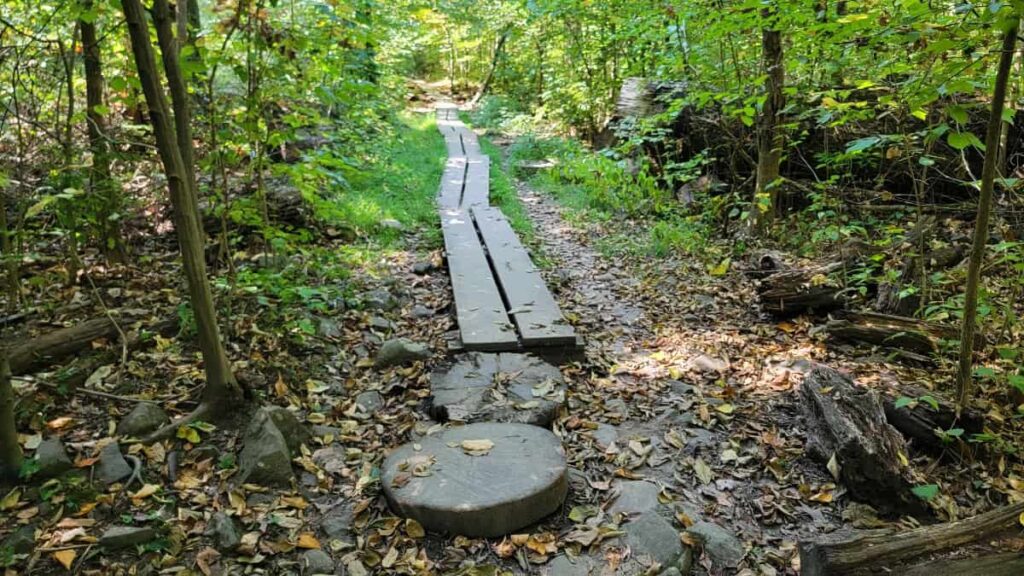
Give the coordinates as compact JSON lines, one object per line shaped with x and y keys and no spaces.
{"x":221,"y":528}
{"x":112,"y":466}
{"x":562,"y":565}
{"x":125,"y":536}
{"x":725,"y":550}
{"x":653,"y":539}
{"x":520,"y":480}
{"x":504,"y":387}
{"x":51,"y":458}
{"x":634,"y":497}
{"x":379,"y":299}
{"x":370,"y":401}
{"x":295,"y":433}
{"x":401,"y":351}
{"x":265,"y":458}
{"x":317,"y":562}
{"x":143,"y":419}
{"x":605,"y":435}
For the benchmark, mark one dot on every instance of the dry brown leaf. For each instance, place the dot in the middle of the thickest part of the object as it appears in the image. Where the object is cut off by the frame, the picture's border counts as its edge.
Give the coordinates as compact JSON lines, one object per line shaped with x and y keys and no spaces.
{"x":65,"y":557}
{"x":308,"y":541}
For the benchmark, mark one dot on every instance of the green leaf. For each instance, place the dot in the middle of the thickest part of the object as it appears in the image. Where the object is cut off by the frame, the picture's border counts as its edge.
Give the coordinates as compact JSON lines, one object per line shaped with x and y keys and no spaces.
{"x":903,"y":402}
{"x":958,"y":113}
{"x":962,"y":140}
{"x":862,"y":144}
{"x":1017,"y":381}
{"x":926,"y":491}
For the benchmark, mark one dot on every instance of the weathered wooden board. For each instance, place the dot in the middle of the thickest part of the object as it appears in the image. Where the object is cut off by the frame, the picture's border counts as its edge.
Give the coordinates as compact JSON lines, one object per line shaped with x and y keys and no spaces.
{"x":452,"y":181}
{"x":532,"y":306}
{"x":483,"y":320}
{"x":478,"y":182}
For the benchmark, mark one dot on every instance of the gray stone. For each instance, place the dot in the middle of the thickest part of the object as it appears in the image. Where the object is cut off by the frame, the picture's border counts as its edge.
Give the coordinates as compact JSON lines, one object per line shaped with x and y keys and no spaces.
{"x":617,"y":406}
{"x":321,"y":430}
{"x":21,"y":541}
{"x":125,"y":536}
{"x":379,"y":299}
{"x":51,"y":458}
{"x":652,"y":538}
{"x":316,"y":562}
{"x":222,"y":530}
{"x":401,"y":351}
{"x":370,"y":401}
{"x":521,"y":479}
{"x":337,"y":523}
{"x":327,"y":328}
{"x":265,"y":458}
{"x":295,"y":433}
{"x":112,"y":466}
{"x":635,"y":497}
{"x":419,"y":311}
{"x":391,"y":224}
{"x":498,"y":388}
{"x":421,"y":268}
{"x":680,"y":388}
{"x":382,"y":324}
{"x":143,"y":419}
{"x":562,"y":565}
{"x":605,"y":435}
{"x":330,"y":459}
{"x":724,"y":549}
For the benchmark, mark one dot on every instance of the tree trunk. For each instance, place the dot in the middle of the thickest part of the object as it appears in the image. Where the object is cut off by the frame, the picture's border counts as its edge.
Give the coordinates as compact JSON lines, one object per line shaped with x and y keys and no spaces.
{"x":769,"y":137}
{"x":103,"y":186}
{"x":164,"y":21}
{"x":10,"y":449}
{"x":988,"y":176}
{"x":495,"y":60}
{"x":11,"y":267}
{"x":221,"y":387}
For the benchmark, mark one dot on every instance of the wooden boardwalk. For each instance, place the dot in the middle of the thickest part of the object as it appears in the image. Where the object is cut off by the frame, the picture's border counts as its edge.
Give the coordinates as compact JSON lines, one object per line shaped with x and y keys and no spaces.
{"x":501,"y":300}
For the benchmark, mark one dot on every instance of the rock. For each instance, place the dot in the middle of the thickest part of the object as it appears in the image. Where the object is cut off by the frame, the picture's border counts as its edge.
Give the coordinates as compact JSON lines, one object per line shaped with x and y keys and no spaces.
{"x":617,"y":406}
{"x":51,"y":458}
{"x":337,"y":523}
{"x":635,"y":497}
{"x":143,"y":419}
{"x":421,"y":268}
{"x":391,"y":224}
{"x":295,"y":433}
{"x":520,"y":479}
{"x":680,"y":388}
{"x":112,"y":466}
{"x":265,"y":458}
{"x":317,"y":562}
{"x":379,"y":299}
{"x":420,"y":312}
{"x":381,"y":324}
{"x":370,"y":401}
{"x":321,"y":430}
{"x":562,"y":565}
{"x":605,"y":435}
{"x":709,"y":365}
{"x":221,"y":528}
{"x":724,"y":549}
{"x":327,"y":328}
{"x":21,"y":541}
{"x":531,"y":390}
{"x":401,"y":351}
{"x":653,"y":540}
{"x":330,"y":459}
{"x":125,"y":536}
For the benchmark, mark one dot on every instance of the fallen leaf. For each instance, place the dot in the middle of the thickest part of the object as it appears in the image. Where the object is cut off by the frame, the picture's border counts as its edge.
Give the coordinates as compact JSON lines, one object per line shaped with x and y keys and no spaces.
{"x":146,"y":491}
{"x":477,"y":447}
{"x":414,"y":529}
{"x":65,"y":557}
{"x":308,"y":541}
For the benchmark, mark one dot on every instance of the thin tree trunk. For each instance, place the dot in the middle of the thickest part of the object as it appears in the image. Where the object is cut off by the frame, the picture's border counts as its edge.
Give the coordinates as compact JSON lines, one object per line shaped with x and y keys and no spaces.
{"x":494,"y":66}
{"x":12,"y":273}
{"x":102,"y":184}
{"x":10,"y":449}
{"x":769,"y":137}
{"x":164,"y":22}
{"x":221,"y":388}
{"x":964,"y":383}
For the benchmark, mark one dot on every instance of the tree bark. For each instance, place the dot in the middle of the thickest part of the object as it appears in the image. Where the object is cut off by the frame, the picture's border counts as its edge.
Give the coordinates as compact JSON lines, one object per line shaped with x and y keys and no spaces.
{"x":495,"y":60}
{"x":102,"y":184}
{"x":10,"y":449}
{"x":769,"y":137}
{"x":221,"y":388}
{"x":964,"y":382}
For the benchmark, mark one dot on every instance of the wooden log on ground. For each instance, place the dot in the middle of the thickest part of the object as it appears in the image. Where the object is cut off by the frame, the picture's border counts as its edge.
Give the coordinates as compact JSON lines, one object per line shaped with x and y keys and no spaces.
{"x":847,"y":422}
{"x":792,"y":292}
{"x":919,"y":421}
{"x":885,"y":553}
{"x":890,"y":331}
{"x":1005,"y":564}
{"x":45,"y":350}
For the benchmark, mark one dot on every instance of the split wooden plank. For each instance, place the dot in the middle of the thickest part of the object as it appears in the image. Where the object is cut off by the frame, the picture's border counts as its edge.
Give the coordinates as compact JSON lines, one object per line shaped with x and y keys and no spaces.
{"x":483,"y":320}
{"x":477,"y":189}
{"x":532,"y":306}
{"x":452,"y":181}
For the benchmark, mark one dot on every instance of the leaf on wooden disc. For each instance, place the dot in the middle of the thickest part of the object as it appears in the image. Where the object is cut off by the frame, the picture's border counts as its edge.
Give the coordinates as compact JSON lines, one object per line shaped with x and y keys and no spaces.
{"x":65,"y":557}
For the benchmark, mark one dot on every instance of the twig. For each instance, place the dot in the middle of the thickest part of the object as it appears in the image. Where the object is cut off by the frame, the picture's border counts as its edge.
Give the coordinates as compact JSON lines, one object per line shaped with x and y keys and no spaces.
{"x":97,"y":393}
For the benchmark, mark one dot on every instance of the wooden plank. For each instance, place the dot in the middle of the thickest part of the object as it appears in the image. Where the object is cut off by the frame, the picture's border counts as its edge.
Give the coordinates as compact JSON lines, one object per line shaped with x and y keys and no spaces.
{"x":532,"y":306}
{"x":452,"y":181}
{"x":483,"y":320}
{"x":477,"y":189}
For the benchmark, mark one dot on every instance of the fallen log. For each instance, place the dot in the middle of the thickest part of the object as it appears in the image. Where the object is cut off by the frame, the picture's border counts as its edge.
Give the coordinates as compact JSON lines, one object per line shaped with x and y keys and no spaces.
{"x":885,"y":553}
{"x":792,"y":292}
{"x":920,"y":420}
{"x":1006,"y":564}
{"x":847,"y":429}
{"x":890,"y":331}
